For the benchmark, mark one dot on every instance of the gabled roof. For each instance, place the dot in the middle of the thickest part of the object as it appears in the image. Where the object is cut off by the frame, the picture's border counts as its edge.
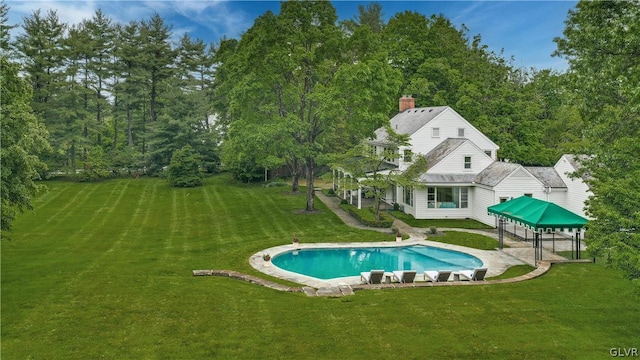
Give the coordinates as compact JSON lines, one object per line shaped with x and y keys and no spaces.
{"x":538,"y":214}
{"x":443,"y":150}
{"x":410,"y":121}
{"x":576,"y":163}
{"x":547,"y":175}
{"x":493,"y":174}
{"x":576,"y":160}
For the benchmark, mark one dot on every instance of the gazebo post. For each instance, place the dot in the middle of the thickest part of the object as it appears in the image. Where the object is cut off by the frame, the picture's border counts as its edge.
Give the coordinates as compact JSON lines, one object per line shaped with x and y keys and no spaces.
{"x":535,"y":248}
{"x":578,"y":245}
{"x":500,"y":233}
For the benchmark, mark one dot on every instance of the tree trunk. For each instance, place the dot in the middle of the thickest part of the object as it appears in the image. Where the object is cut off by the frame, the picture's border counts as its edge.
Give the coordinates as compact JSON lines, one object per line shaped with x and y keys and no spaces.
{"x":295,"y":186}
{"x":294,"y":167}
{"x":311,"y":164}
{"x":129,"y":129}
{"x":376,"y":203}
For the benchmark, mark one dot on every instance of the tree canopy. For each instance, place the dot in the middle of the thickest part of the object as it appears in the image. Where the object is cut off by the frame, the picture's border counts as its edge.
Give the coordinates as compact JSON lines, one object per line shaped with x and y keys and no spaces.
{"x":24,"y":138}
{"x":602,"y":43}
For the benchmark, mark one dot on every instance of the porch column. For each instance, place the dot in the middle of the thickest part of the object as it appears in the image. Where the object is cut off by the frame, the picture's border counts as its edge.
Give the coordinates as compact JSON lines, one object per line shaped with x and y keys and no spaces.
{"x":351,"y":191}
{"x":333,"y":179}
{"x":344,"y":186}
{"x":359,"y":197}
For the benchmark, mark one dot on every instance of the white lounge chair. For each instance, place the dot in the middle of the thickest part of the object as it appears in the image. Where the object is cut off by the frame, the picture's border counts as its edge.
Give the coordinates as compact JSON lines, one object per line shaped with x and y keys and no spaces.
{"x":473,"y":275}
{"x":372,"y":277}
{"x":437,"y":276}
{"x":405,"y":276}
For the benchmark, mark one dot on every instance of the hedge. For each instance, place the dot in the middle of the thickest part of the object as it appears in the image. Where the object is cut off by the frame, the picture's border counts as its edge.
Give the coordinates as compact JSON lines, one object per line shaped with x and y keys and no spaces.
{"x":367,"y":217}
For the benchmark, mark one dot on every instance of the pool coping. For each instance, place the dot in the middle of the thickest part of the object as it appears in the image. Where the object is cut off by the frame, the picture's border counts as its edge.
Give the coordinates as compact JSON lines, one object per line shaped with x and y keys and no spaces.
{"x":496,"y":261}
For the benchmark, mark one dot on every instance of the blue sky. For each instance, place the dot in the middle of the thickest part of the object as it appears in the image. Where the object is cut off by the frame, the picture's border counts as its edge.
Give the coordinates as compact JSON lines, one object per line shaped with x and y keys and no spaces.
{"x":524,"y":29}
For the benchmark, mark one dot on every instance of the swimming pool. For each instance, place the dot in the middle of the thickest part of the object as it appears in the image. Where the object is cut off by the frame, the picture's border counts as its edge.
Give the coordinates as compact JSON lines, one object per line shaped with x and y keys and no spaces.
{"x":325,"y":263}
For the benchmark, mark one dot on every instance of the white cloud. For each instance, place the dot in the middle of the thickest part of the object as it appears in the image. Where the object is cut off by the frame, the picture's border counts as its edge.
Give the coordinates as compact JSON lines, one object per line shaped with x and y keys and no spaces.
{"x":70,"y":12}
{"x":221,"y":17}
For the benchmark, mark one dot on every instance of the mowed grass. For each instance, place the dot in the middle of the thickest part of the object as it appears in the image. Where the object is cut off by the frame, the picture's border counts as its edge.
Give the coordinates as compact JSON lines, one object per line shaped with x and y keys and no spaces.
{"x":103,"y":270}
{"x":439,"y":223}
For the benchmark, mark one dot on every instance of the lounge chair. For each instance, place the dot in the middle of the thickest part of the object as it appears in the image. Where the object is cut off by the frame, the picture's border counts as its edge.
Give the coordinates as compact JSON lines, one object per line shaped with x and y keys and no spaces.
{"x":405,"y":276}
{"x":437,"y":276}
{"x":372,"y":277}
{"x":473,"y":275}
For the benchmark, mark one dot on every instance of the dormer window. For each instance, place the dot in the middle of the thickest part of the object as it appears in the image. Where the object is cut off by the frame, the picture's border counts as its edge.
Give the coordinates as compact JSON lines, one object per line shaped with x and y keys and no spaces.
{"x":461,"y":132}
{"x":407,"y":155}
{"x":435,"y":132}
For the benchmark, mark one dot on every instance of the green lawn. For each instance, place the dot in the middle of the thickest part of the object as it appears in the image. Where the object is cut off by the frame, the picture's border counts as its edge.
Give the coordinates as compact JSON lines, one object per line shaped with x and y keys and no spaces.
{"x":439,"y":223}
{"x":471,"y":240}
{"x":104,"y":271}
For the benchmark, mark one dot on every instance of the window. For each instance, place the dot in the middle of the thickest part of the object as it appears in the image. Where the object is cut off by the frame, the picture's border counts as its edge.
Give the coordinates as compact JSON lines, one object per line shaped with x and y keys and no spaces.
{"x":528,"y":195}
{"x":431,"y":197}
{"x":407,"y":155}
{"x":447,"y":197}
{"x":460,"y":132}
{"x":372,"y":150}
{"x":407,"y":193}
{"x":467,"y":162}
{"x":503,"y":199}
{"x":488,"y":152}
{"x":464,"y":198}
{"x":435,"y":132}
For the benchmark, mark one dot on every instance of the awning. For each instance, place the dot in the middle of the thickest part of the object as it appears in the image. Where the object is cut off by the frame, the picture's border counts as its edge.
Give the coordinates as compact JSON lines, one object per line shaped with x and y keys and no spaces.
{"x":538,"y":214}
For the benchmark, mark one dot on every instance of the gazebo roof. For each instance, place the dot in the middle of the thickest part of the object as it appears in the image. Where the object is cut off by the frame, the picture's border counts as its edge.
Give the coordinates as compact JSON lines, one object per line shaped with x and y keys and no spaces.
{"x":538,"y":214}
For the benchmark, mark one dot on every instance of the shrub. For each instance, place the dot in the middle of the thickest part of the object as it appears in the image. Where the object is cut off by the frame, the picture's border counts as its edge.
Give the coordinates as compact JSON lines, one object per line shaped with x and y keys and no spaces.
{"x":184,"y":170}
{"x":277,"y":183}
{"x":433,"y":230}
{"x":95,"y":167}
{"x":367,"y":217}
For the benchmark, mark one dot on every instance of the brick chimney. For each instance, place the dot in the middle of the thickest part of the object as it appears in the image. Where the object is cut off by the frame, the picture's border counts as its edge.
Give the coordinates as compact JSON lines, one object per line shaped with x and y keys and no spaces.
{"x":406,"y":102}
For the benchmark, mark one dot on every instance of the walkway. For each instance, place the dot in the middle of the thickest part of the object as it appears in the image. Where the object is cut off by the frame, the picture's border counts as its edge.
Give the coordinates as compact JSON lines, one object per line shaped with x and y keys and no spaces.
{"x":333,"y":203}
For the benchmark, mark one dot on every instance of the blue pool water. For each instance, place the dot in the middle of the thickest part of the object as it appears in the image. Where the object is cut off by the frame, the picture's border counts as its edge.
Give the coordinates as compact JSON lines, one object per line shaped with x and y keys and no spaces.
{"x":333,"y":263}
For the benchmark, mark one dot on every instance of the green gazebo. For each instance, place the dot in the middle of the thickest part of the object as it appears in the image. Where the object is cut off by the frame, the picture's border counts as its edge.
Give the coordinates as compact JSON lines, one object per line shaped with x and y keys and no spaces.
{"x":538,"y":215}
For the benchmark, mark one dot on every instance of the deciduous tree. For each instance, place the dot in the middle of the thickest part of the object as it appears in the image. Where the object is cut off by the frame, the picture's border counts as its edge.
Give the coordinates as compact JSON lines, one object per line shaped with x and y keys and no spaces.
{"x":24,"y":138}
{"x":602,"y":43}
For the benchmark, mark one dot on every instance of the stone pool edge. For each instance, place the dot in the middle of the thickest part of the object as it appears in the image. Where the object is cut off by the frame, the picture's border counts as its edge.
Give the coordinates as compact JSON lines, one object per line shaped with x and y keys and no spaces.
{"x":496,"y":261}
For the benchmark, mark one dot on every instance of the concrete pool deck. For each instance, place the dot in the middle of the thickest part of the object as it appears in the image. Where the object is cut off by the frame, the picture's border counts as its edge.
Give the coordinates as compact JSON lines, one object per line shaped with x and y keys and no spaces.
{"x":496,"y":261}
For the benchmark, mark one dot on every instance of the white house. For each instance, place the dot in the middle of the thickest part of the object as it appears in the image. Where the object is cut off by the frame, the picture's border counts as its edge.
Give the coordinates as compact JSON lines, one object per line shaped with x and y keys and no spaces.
{"x":463,"y":176}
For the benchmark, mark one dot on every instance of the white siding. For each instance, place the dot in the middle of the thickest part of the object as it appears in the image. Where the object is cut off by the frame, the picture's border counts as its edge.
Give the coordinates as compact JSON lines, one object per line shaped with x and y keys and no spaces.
{"x":518,"y":183}
{"x":482,"y":199}
{"x":420,"y":202}
{"x":558,"y":197}
{"x":454,"y":163}
{"x":577,"y":191}
{"x":449,"y":122}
